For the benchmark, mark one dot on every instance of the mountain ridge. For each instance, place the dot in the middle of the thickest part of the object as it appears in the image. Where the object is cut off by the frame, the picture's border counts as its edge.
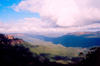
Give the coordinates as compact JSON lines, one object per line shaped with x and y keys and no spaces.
{"x":52,"y":34}
{"x":83,"y":33}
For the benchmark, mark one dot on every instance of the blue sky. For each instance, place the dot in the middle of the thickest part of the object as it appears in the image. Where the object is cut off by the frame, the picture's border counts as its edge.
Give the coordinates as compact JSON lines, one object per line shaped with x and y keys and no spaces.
{"x":7,"y":14}
{"x":21,"y":16}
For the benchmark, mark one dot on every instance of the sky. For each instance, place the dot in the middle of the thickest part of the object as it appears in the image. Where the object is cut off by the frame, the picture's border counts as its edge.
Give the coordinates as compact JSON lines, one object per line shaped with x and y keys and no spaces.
{"x":61,"y":16}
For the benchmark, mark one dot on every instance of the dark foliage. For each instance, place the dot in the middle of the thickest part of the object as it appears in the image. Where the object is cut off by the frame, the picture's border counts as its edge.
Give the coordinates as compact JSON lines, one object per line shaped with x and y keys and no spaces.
{"x":21,"y":56}
{"x":60,"y":58}
{"x":17,"y":56}
{"x":92,"y":58}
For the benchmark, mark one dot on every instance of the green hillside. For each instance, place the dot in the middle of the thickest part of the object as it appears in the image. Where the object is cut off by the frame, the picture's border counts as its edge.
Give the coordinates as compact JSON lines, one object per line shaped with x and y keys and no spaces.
{"x":53,"y":49}
{"x":55,"y":53}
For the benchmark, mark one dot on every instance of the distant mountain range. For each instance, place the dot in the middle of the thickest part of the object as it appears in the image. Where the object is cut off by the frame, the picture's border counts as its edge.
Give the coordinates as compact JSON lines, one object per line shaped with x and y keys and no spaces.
{"x":83,"y":33}
{"x":43,"y":34}
{"x":52,"y":34}
{"x":75,"y":39}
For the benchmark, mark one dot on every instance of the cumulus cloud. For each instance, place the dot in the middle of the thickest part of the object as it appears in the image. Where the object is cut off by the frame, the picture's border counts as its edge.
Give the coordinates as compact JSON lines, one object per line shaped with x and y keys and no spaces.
{"x":64,"y":13}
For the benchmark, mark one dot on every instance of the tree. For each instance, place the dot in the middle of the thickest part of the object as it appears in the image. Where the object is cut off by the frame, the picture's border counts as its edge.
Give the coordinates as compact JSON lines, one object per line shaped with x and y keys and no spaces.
{"x":92,"y":58}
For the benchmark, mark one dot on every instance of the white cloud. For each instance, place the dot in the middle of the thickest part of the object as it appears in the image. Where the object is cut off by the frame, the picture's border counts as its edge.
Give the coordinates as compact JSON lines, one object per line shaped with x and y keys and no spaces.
{"x":26,"y":25}
{"x":37,"y":25}
{"x":29,"y":5}
{"x":63,"y":12}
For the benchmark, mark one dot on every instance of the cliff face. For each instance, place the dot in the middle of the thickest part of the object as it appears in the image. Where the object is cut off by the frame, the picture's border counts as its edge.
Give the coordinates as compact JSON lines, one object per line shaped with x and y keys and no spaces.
{"x":9,"y":40}
{"x":16,"y":41}
{"x":9,"y":37}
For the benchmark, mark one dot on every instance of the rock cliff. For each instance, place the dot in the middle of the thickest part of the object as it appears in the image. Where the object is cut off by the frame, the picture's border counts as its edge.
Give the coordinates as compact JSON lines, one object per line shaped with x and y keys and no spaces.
{"x":9,"y":40}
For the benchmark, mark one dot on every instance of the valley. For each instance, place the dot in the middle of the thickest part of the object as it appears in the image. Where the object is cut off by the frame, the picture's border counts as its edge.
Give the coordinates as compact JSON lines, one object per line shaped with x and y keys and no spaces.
{"x":77,"y":39}
{"x":65,"y":49}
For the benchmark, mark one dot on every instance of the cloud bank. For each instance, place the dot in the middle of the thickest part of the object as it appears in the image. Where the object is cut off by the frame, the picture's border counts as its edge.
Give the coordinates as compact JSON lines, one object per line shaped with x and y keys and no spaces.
{"x":59,"y":15}
{"x":63,"y":12}
{"x":30,"y":25}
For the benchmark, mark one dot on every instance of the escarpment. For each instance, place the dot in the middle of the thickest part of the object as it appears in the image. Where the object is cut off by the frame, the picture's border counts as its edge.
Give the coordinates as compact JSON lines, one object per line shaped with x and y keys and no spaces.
{"x":9,"y":40}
